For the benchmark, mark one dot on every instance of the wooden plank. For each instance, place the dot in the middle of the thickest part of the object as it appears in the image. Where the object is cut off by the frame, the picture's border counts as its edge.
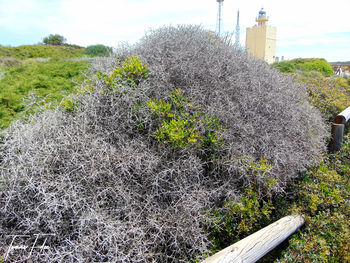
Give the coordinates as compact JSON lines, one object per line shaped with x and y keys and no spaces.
{"x":255,"y":246}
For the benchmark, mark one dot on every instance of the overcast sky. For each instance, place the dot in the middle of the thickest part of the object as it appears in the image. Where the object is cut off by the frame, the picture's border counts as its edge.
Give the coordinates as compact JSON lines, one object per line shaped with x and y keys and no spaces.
{"x":305,"y":28}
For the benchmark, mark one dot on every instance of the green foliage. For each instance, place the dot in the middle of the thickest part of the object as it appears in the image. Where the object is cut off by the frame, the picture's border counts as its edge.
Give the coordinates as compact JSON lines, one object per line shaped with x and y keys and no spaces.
{"x":41,"y":51}
{"x":330,"y":95}
{"x":131,"y":72}
{"x":322,"y":196}
{"x":285,"y":66}
{"x":97,"y":51}
{"x":305,"y":65}
{"x":178,"y":131}
{"x":49,"y":80}
{"x":69,"y":104}
{"x":183,"y":124}
{"x":249,"y":214}
{"x":54,"y":39}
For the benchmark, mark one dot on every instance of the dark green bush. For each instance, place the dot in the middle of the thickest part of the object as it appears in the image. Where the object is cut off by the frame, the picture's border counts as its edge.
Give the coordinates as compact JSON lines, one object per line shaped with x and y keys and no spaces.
{"x":54,"y":39}
{"x":97,"y":51}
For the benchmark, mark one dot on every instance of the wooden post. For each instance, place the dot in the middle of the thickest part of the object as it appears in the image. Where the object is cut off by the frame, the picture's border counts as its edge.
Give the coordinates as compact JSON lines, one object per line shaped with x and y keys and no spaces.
{"x":338,"y":130}
{"x":343,"y":117}
{"x":257,"y":245}
{"x":336,"y":137}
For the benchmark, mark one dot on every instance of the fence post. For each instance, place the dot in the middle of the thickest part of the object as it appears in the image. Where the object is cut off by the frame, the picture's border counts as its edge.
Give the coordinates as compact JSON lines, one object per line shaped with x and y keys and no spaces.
{"x":338,"y":130}
{"x":336,"y":137}
{"x":257,"y":245}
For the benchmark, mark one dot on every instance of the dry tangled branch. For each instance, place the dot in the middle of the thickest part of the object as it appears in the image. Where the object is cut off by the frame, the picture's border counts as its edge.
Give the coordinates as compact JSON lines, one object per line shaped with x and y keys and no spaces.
{"x":112,"y":193}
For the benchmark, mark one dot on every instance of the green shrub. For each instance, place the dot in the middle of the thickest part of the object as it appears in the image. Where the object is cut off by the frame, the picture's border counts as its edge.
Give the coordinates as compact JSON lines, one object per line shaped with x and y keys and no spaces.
{"x":312,"y":74}
{"x":305,"y":65}
{"x":54,"y":39}
{"x":97,"y":51}
{"x":183,"y":124}
{"x":285,"y":66}
{"x":132,"y":69}
{"x":239,"y":219}
{"x":130,"y":72}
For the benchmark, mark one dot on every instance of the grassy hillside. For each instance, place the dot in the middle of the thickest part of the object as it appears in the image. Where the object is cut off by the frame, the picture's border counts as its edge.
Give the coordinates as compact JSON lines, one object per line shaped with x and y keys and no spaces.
{"x":42,"y":51}
{"x":50,"y":79}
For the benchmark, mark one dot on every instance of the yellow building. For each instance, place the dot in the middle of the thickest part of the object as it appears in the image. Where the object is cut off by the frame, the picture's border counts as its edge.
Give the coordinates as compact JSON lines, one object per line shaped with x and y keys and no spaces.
{"x":261,"y":39}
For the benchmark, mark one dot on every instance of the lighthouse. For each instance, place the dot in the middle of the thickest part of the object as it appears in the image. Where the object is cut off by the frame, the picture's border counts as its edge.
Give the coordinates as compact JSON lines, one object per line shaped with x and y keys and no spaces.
{"x":261,"y":39}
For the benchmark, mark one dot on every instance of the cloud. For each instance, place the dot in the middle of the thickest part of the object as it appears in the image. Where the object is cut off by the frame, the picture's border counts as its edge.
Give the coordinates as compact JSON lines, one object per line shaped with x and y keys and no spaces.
{"x":125,"y":20}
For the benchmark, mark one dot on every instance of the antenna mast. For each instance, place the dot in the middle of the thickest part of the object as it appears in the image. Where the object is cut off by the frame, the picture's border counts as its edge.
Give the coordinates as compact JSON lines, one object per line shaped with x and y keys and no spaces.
{"x":237,"y":35}
{"x":219,"y":18}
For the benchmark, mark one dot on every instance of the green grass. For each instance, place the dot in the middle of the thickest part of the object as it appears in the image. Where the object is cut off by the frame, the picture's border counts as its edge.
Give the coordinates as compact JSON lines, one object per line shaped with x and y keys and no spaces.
{"x":51,"y":79}
{"x":42,"y":51}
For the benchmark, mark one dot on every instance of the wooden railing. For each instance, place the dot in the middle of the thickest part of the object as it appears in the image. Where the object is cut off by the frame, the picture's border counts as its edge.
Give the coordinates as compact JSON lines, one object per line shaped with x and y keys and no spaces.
{"x":255,"y":246}
{"x":338,"y":130}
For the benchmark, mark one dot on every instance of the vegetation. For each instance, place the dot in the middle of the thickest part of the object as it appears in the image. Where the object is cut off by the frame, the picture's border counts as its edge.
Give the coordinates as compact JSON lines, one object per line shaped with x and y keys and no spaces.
{"x":97,"y":51}
{"x":174,"y":126}
{"x":330,"y":95}
{"x":322,"y":196}
{"x":305,"y":66}
{"x":54,"y":39}
{"x":253,"y":211}
{"x":40,"y":51}
{"x":148,"y":136}
{"x":45,"y":81}
{"x":322,"y":192}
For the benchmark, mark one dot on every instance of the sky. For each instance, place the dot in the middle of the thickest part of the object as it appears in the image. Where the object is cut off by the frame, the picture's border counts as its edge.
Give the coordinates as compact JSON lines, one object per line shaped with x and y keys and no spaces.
{"x":305,"y":28}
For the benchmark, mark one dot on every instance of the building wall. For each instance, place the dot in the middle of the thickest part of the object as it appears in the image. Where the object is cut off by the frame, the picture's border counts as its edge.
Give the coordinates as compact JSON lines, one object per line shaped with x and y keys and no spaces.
{"x":270,"y":47}
{"x":261,"y":42}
